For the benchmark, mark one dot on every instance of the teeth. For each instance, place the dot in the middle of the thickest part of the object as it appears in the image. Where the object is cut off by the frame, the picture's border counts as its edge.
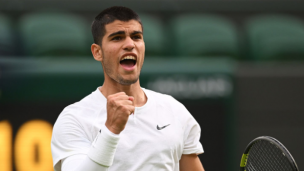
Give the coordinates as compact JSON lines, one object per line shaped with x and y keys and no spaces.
{"x":129,"y":57}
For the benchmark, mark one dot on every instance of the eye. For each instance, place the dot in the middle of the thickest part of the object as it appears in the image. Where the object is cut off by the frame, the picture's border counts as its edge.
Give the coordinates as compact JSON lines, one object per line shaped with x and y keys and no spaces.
{"x":117,"y":38}
{"x":136,"y":37}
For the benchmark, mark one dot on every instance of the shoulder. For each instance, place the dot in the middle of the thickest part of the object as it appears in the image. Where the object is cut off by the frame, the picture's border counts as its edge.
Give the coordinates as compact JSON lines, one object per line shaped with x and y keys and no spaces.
{"x":86,"y":107}
{"x":81,"y":114}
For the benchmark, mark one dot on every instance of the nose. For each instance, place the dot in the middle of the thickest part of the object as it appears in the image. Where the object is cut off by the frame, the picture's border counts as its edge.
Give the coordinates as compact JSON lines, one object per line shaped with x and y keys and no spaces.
{"x":129,"y":44}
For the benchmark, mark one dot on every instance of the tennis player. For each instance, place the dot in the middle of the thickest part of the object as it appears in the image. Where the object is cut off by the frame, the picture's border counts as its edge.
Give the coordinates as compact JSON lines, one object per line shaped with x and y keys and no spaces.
{"x":122,"y":126}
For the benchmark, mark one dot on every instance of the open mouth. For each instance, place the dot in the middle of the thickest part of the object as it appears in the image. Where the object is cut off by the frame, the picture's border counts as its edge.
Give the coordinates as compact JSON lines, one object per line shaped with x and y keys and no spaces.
{"x":128,"y":61}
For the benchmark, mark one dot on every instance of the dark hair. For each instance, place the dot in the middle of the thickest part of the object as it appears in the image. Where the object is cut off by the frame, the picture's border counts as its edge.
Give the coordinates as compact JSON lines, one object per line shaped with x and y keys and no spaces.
{"x":108,"y":16}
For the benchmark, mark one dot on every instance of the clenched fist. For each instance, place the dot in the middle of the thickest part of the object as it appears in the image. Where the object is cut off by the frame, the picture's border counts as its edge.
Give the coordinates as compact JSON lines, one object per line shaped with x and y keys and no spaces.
{"x":119,"y":107}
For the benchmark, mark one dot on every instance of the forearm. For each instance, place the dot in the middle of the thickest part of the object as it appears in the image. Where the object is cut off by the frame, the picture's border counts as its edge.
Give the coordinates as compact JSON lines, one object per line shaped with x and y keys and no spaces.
{"x":81,"y":163}
{"x":190,"y":162}
{"x":100,"y":156}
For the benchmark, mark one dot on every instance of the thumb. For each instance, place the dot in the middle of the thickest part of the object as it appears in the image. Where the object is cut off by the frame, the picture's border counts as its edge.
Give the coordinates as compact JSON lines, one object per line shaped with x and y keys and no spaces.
{"x":131,"y":98}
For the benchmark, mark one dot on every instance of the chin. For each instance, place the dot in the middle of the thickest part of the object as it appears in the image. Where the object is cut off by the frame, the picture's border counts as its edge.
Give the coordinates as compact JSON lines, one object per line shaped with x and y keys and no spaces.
{"x":127,"y":81}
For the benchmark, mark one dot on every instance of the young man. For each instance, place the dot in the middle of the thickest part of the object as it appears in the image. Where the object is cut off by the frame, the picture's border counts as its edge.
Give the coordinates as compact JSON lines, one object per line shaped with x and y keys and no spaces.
{"x":121,"y":126}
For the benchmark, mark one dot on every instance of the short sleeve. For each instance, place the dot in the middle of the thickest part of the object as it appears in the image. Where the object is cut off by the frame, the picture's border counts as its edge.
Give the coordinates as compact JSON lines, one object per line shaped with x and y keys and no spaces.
{"x":192,"y":136}
{"x":68,"y":139}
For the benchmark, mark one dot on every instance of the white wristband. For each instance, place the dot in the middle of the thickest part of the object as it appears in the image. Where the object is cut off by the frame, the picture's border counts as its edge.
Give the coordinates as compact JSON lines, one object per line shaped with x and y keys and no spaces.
{"x":104,"y":147}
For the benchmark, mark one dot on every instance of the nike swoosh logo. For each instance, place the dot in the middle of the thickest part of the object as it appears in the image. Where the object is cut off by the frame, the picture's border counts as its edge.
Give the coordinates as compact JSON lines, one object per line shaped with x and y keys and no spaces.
{"x":159,"y":128}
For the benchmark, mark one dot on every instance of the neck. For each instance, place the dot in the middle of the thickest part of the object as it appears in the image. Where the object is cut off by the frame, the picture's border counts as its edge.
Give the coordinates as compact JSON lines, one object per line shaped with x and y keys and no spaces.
{"x":113,"y":87}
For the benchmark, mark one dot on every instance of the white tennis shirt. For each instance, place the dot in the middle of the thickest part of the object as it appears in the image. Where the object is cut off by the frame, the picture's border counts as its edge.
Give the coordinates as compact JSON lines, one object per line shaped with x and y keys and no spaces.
{"x":154,"y":138}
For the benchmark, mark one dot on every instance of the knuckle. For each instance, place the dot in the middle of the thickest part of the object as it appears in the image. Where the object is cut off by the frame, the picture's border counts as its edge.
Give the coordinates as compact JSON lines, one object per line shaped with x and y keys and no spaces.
{"x":121,"y":108}
{"x":124,"y":109}
{"x":121,"y":93}
{"x":110,"y":98}
{"x":111,"y":101}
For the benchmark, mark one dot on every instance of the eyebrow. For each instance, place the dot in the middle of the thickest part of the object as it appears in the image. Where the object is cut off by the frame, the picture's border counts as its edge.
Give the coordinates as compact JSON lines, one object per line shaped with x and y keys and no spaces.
{"x":136,"y":32}
{"x":123,"y":32}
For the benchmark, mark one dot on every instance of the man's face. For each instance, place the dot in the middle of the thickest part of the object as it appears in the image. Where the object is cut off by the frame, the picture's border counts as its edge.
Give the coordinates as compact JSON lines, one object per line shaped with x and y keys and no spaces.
{"x":123,"y":51}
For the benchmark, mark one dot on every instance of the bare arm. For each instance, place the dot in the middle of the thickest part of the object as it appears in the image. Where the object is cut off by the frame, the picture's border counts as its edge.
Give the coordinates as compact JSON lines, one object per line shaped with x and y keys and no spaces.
{"x":190,"y":162}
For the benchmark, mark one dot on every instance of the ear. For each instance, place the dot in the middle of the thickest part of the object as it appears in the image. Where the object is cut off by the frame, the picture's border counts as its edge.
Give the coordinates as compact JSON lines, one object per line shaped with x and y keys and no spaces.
{"x":96,"y":51}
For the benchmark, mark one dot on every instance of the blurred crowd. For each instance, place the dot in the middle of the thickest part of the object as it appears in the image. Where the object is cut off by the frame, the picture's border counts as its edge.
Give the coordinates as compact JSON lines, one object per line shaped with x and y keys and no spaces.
{"x":262,"y":37}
